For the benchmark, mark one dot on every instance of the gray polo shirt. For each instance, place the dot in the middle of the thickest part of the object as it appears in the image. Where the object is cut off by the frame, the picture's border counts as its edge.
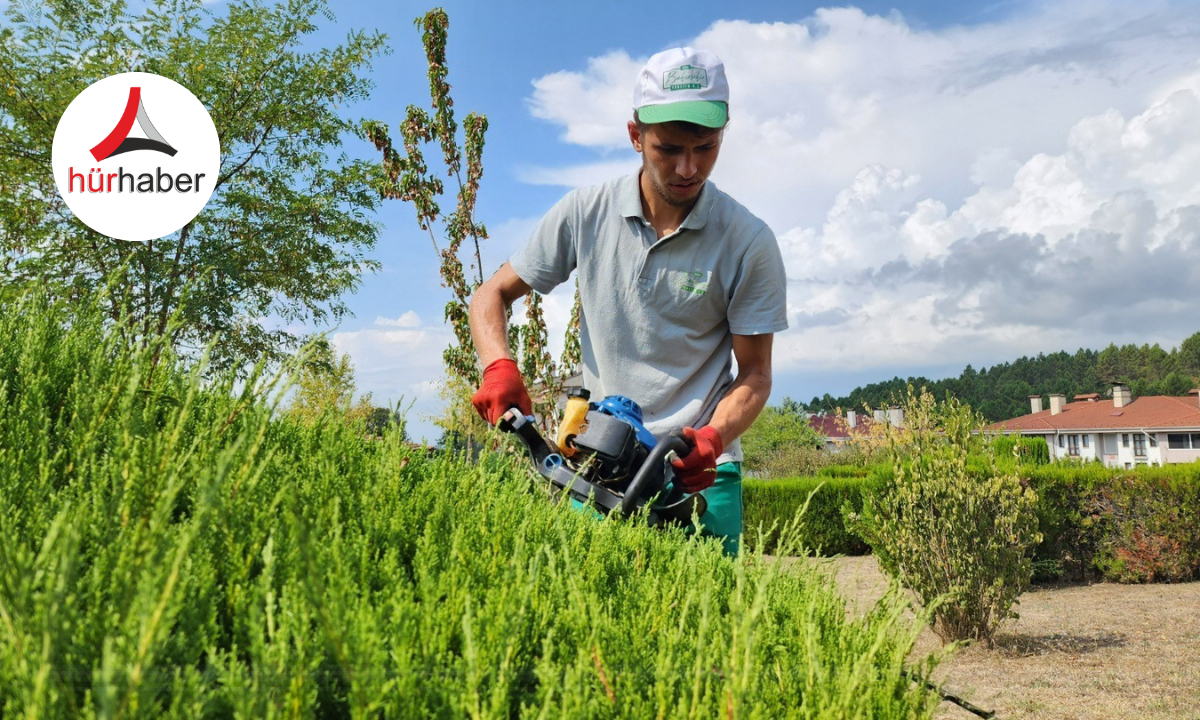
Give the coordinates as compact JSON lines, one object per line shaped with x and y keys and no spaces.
{"x":659,"y":315}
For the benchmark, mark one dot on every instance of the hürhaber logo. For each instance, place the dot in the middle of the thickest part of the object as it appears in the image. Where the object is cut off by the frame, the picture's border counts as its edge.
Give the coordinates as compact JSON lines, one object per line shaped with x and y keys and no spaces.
{"x":136,"y":156}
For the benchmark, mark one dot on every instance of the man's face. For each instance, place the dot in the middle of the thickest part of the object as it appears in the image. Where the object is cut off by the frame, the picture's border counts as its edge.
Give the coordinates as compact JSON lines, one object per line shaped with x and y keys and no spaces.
{"x":675,"y":159}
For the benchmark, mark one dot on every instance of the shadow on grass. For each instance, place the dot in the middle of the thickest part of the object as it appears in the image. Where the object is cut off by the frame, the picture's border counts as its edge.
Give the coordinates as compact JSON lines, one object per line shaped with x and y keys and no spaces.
{"x":1020,"y":645}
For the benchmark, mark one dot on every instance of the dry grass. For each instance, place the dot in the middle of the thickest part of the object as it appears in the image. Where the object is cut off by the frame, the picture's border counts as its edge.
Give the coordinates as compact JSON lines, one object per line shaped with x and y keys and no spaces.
{"x":1081,"y":651}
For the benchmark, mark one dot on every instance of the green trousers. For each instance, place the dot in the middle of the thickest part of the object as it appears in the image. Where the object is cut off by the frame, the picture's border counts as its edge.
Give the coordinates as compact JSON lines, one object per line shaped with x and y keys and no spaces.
{"x":723,"y":518}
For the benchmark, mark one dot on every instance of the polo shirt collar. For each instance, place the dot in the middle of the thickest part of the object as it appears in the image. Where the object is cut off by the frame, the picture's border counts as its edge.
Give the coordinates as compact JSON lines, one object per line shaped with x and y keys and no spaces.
{"x":631,"y":202}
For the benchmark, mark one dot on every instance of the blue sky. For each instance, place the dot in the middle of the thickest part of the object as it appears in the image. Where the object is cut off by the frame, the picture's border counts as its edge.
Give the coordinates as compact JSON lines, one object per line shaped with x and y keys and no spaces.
{"x":951,"y":183}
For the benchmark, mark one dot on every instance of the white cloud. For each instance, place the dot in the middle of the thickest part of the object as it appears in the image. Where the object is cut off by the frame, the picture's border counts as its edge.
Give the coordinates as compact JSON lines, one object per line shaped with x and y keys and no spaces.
{"x":959,"y":195}
{"x":592,"y":107}
{"x":1075,"y":250}
{"x":397,"y":363}
{"x":409,"y":319}
{"x":813,"y":103}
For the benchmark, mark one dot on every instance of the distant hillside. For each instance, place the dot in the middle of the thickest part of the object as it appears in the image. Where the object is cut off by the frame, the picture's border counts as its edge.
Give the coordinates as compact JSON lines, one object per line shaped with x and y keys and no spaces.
{"x":1002,"y":391}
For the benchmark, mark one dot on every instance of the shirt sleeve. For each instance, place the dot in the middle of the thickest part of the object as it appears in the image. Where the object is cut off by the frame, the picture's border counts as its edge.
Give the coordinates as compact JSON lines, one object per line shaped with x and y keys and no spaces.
{"x":548,"y":257}
{"x":758,"y":304}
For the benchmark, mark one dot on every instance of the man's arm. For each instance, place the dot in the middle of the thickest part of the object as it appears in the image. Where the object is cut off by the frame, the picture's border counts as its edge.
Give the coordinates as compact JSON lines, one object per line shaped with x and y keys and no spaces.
{"x":750,"y":390}
{"x":488,"y":313}
{"x":735,"y":412}
{"x":502,"y":387}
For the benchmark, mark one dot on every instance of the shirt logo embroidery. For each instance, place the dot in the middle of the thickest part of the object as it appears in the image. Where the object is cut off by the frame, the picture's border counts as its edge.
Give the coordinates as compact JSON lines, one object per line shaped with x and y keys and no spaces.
{"x":696,"y":282}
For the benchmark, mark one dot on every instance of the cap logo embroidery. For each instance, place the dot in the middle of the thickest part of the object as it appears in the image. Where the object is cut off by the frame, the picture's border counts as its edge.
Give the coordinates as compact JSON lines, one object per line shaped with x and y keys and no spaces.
{"x":685,"y":77}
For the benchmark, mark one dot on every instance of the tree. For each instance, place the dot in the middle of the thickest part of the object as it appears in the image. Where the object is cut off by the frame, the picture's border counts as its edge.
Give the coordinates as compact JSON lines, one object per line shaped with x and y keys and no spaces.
{"x":1189,"y":357}
{"x":777,"y":432}
{"x":792,"y":407}
{"x":382,"y":419}
{"x":288,"y":228}
{"x":325,"y":382}
{"x":409,"y":178}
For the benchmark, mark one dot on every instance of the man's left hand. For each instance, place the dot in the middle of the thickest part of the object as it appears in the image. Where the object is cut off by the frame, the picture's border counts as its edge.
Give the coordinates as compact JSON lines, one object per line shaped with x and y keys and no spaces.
{"x":697,"y":470}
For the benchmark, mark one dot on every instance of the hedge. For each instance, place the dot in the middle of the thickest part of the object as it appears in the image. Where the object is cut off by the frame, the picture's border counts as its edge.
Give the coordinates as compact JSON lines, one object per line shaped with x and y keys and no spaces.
{"x":1122,"y":525}
{"x":170,"y":548}
{"x":1097,"y":523}
{"x":769,"y":505}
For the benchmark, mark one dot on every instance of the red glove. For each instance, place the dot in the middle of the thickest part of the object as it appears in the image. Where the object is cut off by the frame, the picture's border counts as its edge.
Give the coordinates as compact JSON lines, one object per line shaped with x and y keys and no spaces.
{"x":502,"y":388}
{"x":697,"y":470}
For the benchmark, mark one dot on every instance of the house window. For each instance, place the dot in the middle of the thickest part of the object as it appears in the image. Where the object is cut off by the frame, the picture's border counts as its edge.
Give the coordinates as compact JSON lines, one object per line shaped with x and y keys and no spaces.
{"x":1124,"y":439}
{"x":1062,"y":441}
{"x":1086,"y":440}
{"x":1072,"y":444}
{"x":1139,"y":445}
{"x":1153,"y":441}
{"x":1183,"y":441}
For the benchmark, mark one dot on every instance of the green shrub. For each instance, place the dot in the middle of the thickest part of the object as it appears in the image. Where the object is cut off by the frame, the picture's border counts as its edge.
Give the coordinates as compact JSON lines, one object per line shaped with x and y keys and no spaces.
{"x":962,"y":543}
{"x":1115,"y":524}
{"x":1013,"y":452}
{"x":848,"y":471}
{"x":770,"y":505}
{"x":790,"y":460}
{"x":1095,"y":523}
{"x":1033,"y":450}
{"x":172,"y":548}
{"x":1067,"y":549}
{"x":778,"y":434}
{"x":1146,"y":524}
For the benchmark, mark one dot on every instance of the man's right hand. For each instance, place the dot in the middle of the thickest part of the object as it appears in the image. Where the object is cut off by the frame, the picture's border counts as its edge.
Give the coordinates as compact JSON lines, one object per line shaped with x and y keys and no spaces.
{"x":502,"y":388}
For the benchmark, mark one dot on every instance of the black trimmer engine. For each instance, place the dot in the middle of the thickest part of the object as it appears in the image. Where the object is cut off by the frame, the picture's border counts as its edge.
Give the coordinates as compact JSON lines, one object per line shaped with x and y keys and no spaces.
{"x":606,"y":455}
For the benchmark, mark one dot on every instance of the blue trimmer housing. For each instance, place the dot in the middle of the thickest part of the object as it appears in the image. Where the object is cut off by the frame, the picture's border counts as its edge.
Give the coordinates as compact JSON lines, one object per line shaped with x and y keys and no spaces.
{"x":623,"y":408}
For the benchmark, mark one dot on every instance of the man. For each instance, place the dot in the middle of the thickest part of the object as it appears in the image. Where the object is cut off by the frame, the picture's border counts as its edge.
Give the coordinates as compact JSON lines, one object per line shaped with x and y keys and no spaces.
{"x":676,"y":279}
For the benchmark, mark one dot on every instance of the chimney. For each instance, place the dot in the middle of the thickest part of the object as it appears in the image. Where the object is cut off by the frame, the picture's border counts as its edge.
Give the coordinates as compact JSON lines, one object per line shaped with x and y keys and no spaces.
{"x":881,"y":416}
{"x":1194,"y":392}
{"x":851,"y":419}
{"x":1035,"y":403}
{"x":1121,"y":395}
{"x":1056,"y":403}
{"x":895,"y":416}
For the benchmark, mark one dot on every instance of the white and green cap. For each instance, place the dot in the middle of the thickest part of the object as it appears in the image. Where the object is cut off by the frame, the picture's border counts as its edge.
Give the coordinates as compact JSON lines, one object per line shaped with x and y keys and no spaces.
{"x":683,"y":84}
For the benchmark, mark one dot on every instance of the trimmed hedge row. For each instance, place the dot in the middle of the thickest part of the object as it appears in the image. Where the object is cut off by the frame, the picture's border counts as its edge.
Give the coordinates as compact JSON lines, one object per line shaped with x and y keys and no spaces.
{"x":1120,"y":525}
{"x":1031,"y":450}
{"x":169,"y":548}
{"x":770,"y":504}
{"x":1096,"y":522}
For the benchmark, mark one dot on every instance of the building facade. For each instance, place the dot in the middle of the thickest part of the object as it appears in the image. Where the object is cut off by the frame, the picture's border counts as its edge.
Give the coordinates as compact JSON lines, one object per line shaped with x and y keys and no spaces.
{"x":1123,"y":432}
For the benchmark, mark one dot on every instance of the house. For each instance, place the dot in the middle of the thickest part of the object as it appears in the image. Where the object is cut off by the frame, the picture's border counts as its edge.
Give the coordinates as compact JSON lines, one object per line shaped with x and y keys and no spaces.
{"x":1121,"y":432}
{"x":838,"y":431}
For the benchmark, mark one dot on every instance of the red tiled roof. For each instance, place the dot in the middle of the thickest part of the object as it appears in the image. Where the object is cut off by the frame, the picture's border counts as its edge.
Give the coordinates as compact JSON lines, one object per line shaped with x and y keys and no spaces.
{"x":1156,"y":411}
{"x":835,"y":427}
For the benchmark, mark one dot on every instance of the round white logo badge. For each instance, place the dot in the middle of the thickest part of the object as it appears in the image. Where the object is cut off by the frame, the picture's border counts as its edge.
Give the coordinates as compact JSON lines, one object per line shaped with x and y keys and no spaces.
{"x":136,"y":156}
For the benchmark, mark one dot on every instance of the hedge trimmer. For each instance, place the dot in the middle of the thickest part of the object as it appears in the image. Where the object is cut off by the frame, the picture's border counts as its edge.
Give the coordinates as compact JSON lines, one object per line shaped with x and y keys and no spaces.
{"x":605,"y":455}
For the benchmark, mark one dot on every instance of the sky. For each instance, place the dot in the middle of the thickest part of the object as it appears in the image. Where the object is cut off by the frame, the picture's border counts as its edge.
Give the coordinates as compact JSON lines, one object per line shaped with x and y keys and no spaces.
{"x":950,"y":183}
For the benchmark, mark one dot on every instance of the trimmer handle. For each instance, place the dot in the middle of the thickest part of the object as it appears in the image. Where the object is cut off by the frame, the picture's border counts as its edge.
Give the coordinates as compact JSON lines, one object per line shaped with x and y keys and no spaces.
{"x":651,"y":477}
{"x":522,"y":425}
